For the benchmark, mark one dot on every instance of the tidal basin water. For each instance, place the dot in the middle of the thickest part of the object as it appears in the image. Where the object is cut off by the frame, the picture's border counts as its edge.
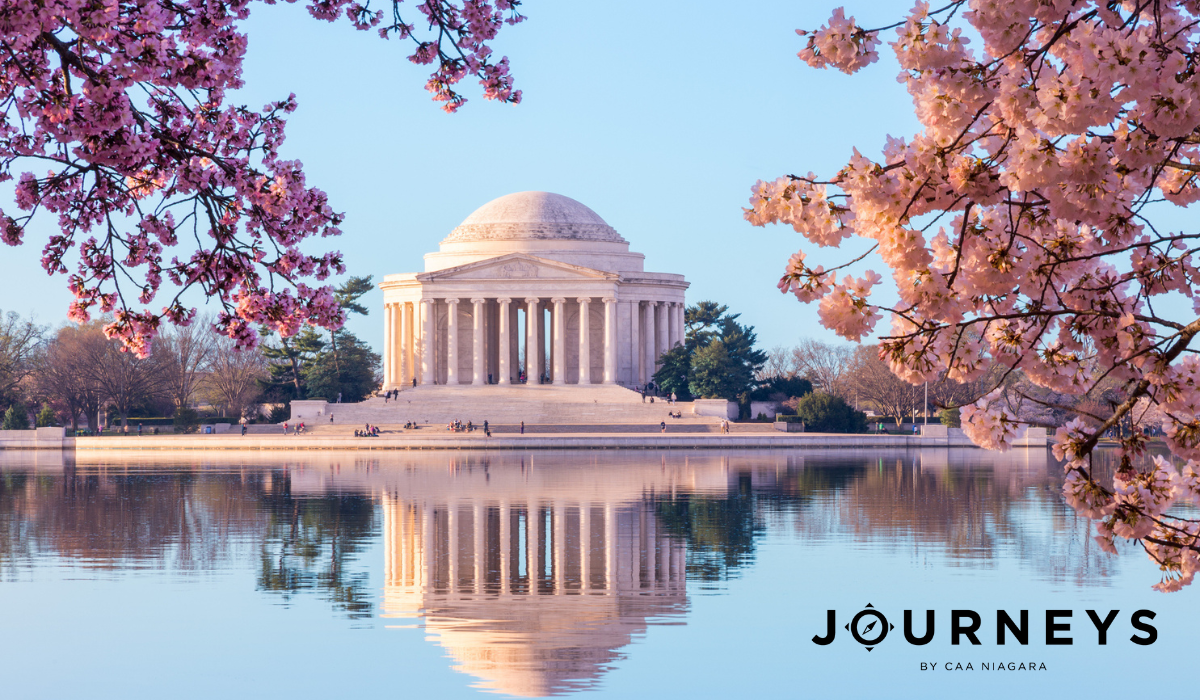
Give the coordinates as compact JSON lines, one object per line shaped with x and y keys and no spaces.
{"x":599,"y":574}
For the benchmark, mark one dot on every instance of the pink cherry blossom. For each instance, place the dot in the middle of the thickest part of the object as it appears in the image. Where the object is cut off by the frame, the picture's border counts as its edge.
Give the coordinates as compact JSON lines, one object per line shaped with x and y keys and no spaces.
{"x":1019,"y":227}
{"x":117,"y":124}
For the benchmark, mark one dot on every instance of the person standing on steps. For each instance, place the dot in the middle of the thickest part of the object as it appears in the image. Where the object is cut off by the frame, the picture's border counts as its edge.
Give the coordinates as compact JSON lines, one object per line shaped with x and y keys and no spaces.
{"x":486,"y":432}
{"x":663,"y":426}
{"x":522,"y":427}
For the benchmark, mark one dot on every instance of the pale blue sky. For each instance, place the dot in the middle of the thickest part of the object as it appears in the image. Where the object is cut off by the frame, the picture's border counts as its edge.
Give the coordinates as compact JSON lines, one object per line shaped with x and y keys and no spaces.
{"x":658,"y":116}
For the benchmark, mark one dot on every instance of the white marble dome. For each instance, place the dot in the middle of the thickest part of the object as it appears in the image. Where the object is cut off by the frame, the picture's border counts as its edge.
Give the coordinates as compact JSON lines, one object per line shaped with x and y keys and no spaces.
{"x":457,"y":322}
{"x":544,"y":224}
{"x":536,"y":216}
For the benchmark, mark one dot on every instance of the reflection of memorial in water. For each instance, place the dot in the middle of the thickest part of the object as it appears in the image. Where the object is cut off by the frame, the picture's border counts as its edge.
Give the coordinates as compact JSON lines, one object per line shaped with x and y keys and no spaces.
{"x":560,"y":559}
{"x":530,"y":583}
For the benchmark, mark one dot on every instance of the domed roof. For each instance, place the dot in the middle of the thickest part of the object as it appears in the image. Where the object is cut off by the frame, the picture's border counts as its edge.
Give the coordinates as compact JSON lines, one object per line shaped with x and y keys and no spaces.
{"x":534,"y":215}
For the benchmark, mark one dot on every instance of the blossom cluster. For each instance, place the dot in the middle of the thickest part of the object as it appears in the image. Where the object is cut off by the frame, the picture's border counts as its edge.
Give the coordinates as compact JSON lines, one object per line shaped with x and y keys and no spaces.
{"x":1017,"y":223}
{"x":116,"y":123}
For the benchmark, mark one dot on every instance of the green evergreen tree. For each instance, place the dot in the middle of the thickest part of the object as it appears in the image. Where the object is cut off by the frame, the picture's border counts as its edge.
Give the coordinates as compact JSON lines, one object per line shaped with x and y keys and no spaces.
{"x":15,"y":418}
{"x":825,"y":413}
{"x":675,"y":373}
{"x":714,"y":374}
{"x":186,"y":420}
{"x":727,"y":372}
{"x":290,"y":358}
{"x":46,"y":417}
{"x":950,"y":417}
{"x":355,"y":380}
{"x":347,"y":297}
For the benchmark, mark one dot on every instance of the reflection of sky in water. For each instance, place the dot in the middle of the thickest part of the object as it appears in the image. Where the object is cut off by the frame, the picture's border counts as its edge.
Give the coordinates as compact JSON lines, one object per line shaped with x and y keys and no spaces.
{"x":623,"y":573}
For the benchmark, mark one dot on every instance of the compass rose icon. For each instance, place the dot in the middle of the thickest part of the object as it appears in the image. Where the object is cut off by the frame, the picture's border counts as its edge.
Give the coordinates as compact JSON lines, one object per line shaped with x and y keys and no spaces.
{"x":869,"y":627}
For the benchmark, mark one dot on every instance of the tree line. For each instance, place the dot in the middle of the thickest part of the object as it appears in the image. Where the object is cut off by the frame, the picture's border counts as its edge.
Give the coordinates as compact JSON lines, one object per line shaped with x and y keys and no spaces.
{"x":72,"y":375}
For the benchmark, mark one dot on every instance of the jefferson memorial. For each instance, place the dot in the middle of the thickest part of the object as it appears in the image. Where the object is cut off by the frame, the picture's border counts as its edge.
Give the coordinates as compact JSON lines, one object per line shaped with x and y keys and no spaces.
{"x":537,"y":277}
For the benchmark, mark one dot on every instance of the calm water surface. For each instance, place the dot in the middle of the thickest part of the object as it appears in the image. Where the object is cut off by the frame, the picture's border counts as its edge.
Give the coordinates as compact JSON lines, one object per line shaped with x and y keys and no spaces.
{"x":616,"y":574}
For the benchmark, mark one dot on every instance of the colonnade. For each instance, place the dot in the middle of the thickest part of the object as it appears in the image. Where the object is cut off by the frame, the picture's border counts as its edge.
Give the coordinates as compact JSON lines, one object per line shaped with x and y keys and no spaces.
{"x":528,"y":548}
{"x":451,"y":340}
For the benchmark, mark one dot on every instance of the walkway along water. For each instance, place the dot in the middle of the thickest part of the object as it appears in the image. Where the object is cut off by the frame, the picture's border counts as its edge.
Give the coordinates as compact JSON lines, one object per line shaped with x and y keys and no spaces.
{"x":435,"y":438}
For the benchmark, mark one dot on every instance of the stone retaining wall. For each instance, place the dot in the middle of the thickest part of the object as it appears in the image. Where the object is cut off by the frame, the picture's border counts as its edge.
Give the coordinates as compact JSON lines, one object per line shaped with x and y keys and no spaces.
{"x":36,"y":439}
{"x":433,"y":439}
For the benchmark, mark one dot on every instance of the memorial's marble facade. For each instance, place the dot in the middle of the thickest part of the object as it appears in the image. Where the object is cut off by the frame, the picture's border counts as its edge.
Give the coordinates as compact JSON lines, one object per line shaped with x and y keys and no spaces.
{"x":546,"y":255}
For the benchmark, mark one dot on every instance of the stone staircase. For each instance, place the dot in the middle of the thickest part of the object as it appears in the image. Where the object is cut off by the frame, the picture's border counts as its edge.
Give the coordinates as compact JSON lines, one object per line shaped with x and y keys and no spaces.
{"x":537,"y":405}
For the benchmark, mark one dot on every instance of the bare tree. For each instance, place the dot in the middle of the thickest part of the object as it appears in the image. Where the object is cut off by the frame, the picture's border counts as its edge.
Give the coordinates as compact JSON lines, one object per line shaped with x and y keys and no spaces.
{"x":874,"y":382}
{"x":65,"y":371}
{"x":233,"y":382}
{"x":780,"y":363}
{"x":125,"y":379}
{"x":186,"y":353}
{"x":826,"y":365}
{"x":19,"y":342}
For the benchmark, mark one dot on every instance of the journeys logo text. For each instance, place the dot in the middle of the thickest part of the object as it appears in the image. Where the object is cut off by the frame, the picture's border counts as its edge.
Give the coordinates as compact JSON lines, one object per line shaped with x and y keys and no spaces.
{"x":870,"y":627}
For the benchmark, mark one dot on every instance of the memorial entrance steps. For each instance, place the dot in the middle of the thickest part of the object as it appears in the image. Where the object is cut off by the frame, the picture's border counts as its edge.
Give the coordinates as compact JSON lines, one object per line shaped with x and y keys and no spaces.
{"x":503,"y":405}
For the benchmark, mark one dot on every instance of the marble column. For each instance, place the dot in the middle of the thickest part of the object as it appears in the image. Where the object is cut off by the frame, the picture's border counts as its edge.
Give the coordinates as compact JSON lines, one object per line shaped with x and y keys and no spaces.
{"x":389,"y":346}
{"x":478,"y":373}
{"x":610,"y":340}
{"x":560,"y":547}
{"x":681,"y":323}
{"x":406,"y":343}
{"x":505,"y":339}
{"x":560,"y":341}
{"x":452,"y":544}
{"x":505,"y":547}
{"x":428,"y":347}
{"x":531,"y":545}
{"x":532,"y":374}
{"x":635,"y":341}
{"x":427,"y":545}
{"x":649,"y":341}
{"x":673,"y":321}
{"x":585,"y":545}
{"x":585,"y":346}
{"x":479,"y":545}
{"x":397,"y":342}
{"x":610,"y":548}
{"x":661,"y":324}
{"x":452,"y":342}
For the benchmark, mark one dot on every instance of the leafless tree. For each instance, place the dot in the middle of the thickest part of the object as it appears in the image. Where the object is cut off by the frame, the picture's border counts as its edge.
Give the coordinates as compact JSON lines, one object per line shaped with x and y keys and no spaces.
{"x":125,"y":379}
{"x":65,"y":372}
{"x":20,"y":340}
{"x":826,"y":365}
{"x":874,"y":383}
{"x":233,"y":380}
{"x":780,"y":363}
{"x":186,"y":354}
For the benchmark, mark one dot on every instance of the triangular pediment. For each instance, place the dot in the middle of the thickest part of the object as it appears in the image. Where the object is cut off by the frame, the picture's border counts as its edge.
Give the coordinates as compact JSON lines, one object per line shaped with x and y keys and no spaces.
{"x":517,"y":266}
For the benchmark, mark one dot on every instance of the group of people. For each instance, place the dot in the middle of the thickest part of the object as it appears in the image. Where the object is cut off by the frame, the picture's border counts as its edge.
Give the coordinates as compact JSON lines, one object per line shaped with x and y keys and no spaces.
{"x":674,"y":414}
{"x":651,"y":390}
{"x":411,"y":425}
{"x":390,"y":394}
{"x":367,"y":431}
{"x":299,"y":428}
{"x":469,"y":427}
